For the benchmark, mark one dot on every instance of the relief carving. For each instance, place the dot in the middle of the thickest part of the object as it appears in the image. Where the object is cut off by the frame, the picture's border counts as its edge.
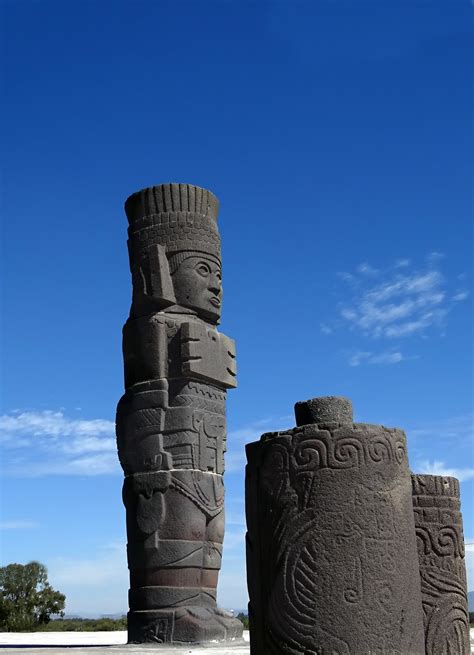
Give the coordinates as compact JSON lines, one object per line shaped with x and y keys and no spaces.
{"x":331,"y":548}
{"x":171,"y":430}
{"x":440,"y":543}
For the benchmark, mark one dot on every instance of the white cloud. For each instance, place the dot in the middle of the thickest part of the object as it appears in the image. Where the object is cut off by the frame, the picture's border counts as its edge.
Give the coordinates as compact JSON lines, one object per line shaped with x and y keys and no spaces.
{"x":66,"y":446}
{"x":235,"y":459}
{"x":435,"y":257}
{"x":367,"y":357}
{"x":19,"y":525}
{"x":455,"y":429}
{"x":366,"y":269}
{"x":400,"y":303}
{"x":50,"y":443}
{"x":402,"y":263}
{"x":94,"y":464}
{"x":440,"y":468}
{"x":254,"y":430}
{"x":325,"y":328}
{"x":52,"y":424}
{"x":460,"y":296}
{"x":347,"y":277}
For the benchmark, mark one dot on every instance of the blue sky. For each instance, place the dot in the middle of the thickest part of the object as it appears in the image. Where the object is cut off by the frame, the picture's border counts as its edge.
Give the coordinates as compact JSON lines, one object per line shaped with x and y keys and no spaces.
{"x":336,"y":135}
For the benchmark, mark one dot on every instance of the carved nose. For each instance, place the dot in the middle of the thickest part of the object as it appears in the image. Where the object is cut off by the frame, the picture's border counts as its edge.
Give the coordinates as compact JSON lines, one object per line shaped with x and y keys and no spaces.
{"x":215,"y":286}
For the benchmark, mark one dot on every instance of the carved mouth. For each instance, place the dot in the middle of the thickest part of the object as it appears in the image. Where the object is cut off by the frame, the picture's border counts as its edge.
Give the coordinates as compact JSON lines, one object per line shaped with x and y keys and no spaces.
{"x":215,"y":301}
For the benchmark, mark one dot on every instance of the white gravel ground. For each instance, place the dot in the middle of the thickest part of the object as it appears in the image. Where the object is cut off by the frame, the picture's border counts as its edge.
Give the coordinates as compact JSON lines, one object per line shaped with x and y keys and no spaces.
{"x":92,"y":643}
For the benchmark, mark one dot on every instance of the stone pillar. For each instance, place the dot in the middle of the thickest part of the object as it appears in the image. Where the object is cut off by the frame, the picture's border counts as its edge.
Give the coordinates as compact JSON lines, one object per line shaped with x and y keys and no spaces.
{"x":331,"y":549}
{"x":439,"y":533}
{"x":171,"y":430}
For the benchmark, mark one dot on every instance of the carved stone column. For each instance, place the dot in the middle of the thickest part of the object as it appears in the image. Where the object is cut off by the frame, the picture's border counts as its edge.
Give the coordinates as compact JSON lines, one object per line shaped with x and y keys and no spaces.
{"x":171,"y":430}
{"x":438,"y":521}
{"x":331,"y":549}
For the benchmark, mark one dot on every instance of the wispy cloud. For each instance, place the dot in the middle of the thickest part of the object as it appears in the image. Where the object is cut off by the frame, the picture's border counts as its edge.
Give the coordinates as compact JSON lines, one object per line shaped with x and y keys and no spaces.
{"x":254,"y":430}
{"x":398,"y":302}
{"x":368,"y":357}
{"x":19,"y":525}
{"x":325,"y":328}
{"x":40,"y":443}
{"x":440,"y":468}
{"x":399,"y":307}
{"x":366,"y":269}
{"x":402,"y":263}
{"x":460,"y":296}
{"x":455,"y":429}
{"x":235,"y":459}
{"x":61,"y":445}
{"x":52,"y":424}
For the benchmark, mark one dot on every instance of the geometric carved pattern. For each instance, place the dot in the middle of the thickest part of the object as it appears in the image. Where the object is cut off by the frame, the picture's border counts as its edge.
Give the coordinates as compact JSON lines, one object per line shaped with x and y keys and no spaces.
{"x":438,"y":523}
{"x":171,"y":430}
{"x":331,"y":549}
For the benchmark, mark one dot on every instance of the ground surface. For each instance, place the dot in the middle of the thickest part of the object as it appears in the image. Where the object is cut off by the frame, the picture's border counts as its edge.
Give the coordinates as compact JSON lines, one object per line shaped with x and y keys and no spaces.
{"x":91,"y":643}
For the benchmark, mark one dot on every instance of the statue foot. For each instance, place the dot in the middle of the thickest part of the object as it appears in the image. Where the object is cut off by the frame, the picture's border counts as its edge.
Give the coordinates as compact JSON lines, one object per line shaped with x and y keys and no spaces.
{"x":190,"y":624}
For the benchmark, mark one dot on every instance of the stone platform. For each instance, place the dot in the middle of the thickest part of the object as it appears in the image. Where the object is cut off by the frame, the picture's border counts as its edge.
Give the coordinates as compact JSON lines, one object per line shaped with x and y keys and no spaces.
{"x":91,"y":643}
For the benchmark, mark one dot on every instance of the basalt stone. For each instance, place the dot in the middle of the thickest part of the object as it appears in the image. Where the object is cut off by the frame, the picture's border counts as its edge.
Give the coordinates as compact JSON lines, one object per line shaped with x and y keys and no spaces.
{"x":170,"y":424}
{"x":438,"y":521}
{"x":332,"y":563}
{"x":323,"y":410}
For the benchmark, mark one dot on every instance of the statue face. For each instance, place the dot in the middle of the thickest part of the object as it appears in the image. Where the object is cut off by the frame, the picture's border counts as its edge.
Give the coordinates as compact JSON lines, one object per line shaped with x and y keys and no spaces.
{"x":197,"y":284}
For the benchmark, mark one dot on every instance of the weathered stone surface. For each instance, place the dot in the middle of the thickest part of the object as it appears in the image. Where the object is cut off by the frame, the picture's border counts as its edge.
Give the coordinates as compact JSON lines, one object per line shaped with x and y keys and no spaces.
{"x":331,"y":551}
{"x":439,"y":533}
{"x":323,"y":410}
{"x":171,"y":430}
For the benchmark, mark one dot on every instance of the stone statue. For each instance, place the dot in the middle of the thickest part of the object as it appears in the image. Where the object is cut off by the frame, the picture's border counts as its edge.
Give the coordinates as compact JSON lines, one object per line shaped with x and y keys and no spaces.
{"x":171,"y":429}
{"x":332,"y":562}
{"x":439,"y":534}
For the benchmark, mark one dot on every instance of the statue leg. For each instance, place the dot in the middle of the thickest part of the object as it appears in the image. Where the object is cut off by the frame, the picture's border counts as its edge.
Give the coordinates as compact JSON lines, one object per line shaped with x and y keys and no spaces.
{"x":174,"y":571}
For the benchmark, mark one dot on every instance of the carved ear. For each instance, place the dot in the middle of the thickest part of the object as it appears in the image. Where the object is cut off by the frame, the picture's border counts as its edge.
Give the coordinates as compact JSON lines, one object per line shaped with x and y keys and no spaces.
{"x":161,"y":286}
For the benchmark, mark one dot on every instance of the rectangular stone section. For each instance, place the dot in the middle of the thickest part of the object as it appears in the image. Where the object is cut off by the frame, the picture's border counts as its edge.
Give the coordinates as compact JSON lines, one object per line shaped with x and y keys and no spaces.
{"x":208,"y":354}
{"x":442,"y":565}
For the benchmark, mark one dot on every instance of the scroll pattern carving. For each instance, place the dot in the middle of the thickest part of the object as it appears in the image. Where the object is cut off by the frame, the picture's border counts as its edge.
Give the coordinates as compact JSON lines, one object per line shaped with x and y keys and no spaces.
{"x":440,"y":542}
{"x":331,"y":548}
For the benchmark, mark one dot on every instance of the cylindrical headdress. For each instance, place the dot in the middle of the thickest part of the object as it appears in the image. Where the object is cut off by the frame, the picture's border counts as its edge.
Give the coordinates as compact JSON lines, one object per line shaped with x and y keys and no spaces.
{"x":179,"y":217}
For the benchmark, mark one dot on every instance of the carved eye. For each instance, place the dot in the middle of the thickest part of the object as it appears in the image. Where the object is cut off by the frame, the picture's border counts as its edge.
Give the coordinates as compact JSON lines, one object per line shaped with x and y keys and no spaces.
{"x":219,"y":275}
{"x":203,"y":269}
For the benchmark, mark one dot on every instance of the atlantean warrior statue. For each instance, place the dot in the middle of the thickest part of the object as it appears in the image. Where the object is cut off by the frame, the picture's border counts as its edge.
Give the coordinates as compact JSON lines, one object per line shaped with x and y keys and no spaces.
{"x":171,"y":428}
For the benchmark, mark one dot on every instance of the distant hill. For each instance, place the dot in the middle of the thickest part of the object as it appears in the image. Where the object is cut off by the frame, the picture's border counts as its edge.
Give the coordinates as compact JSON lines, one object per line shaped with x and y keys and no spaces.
{"x":92,"y":615}
{"x":470,"y":600}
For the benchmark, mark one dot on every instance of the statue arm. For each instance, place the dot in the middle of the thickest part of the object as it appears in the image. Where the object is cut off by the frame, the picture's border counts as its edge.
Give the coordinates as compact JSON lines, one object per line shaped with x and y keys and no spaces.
{"x":145,"y":350}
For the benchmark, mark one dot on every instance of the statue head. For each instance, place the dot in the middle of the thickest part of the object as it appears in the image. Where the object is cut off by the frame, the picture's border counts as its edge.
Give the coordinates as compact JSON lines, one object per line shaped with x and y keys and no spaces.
{"x":197,"y":283}
{"x":174,"y":250}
